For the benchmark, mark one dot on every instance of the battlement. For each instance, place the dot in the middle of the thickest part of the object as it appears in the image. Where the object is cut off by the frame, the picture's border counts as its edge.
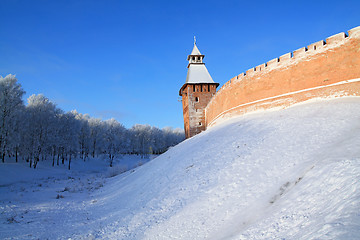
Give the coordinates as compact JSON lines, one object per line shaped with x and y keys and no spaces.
{"x":314,"y":48}
{"x":324,"y":62}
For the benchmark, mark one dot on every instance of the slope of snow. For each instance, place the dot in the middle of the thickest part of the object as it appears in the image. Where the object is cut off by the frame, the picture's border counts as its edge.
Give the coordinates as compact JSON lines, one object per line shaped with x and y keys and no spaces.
{"x":288,"y":174}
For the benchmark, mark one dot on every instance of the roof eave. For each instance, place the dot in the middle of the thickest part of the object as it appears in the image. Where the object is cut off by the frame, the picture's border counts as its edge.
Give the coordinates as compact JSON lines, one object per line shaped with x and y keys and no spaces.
{"x":183,"y":86}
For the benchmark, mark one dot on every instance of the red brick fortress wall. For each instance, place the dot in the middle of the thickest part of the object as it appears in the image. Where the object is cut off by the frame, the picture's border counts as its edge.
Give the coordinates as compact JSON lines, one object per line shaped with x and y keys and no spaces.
{"x":323,"y":69}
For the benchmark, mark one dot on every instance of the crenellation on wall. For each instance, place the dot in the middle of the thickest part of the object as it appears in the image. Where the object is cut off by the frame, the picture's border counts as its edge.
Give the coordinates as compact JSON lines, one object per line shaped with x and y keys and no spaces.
{"x":272,"y":63}
{"x":228,"y":83}
{"x":299,"y":53}
{"x":322,"y":69}
{"x":295,"y":55}
{"x":316,"y":46}
{"x":250,"y":71}
{"x":336,"y":38}
{"x":284,"y":58}
{"x":260,"y":67}
{"x":240,"y":77}
{"x":354,"y":32}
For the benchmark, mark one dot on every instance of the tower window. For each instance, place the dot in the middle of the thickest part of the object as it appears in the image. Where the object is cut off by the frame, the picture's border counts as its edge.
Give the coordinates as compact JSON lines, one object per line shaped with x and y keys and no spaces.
{"x":193,"y":58}
{"x":209,"y":88}
{"x":196,"y":99}
{"x":193,"y":88}
{"x":200,"y":123}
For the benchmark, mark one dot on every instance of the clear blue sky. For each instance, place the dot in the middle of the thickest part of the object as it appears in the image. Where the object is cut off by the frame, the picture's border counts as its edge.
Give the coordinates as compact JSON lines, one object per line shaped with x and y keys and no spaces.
{"x":127,"y":59}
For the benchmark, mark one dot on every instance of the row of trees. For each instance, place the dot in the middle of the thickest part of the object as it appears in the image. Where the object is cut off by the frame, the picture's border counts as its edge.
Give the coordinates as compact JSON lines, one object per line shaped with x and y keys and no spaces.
{"x":41,"y":131}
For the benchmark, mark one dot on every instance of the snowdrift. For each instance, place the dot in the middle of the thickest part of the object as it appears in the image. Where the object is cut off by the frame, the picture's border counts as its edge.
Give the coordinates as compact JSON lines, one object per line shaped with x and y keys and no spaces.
{"x":285,"y":174}
{"x":292,"y":174}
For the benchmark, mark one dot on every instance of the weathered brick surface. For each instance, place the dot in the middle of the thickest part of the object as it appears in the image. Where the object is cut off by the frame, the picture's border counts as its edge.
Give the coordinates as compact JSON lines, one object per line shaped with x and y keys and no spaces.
{"x":195,"y":98}
{"x":319,"y":71}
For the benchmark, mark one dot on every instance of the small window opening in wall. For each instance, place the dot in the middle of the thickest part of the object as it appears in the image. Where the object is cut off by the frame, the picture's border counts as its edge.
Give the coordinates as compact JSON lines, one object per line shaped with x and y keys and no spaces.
{"x":314,"y":47}
{"x":193,"y":58}
{"x":193,"y":88}
{"x":208,"y":88}
{"x":200,"y":123}
{"x":201,"y":88}
{"x":196,"y":99}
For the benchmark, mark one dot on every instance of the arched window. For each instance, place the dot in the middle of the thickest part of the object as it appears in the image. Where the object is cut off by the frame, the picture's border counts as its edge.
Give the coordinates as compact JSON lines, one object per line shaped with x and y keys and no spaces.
{"x":196,"y":99}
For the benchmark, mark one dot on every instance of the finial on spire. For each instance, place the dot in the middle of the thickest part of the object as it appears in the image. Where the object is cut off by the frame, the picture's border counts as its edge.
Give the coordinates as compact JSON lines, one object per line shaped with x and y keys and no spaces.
{"x":194,"y":40}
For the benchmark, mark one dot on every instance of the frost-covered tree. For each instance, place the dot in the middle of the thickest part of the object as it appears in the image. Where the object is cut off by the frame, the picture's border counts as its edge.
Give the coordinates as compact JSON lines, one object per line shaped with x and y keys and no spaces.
{"x":173,"y":136}
{"x":96,"y":135}
{"x":158,"y":141}
{"x":41,"y":114}
{"x":67,"y":144}
{"x":141,"y":139}
{"x":113,"y":139}
{"x":16,"y":133}
{"x":84,"y":134}
{"x":40,"y":131}
{"x":10,"y":105}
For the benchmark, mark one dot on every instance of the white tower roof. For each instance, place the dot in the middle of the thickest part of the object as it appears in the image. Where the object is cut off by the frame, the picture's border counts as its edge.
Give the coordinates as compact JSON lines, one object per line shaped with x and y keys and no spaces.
{"x":195,"y":50}
{"x":197,"y":73}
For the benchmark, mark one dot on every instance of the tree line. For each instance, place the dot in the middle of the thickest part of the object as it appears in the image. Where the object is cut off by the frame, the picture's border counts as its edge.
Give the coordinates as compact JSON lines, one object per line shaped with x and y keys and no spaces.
{"x":40,"y":130}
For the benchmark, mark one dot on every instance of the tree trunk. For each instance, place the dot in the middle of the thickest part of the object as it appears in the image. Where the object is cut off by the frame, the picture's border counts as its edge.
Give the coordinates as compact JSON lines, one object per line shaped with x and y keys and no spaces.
{"x":69,"y":161}
{"x":36,"y":162}
{"x":94,"y":147}
{"x":16,"y":154}
{"x":53,"y":158}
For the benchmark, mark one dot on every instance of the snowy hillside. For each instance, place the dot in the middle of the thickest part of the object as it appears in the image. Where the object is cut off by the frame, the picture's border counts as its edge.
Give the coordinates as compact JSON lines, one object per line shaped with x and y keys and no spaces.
{"x":287,"y":174}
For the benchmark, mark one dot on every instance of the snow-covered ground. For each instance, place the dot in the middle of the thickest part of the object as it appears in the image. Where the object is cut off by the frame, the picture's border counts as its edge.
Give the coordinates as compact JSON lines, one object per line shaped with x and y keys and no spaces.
{"x":286,"y":174}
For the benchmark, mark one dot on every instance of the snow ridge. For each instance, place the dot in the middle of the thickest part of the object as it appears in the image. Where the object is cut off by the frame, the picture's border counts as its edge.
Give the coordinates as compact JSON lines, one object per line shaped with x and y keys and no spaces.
{"x":288,"y":174}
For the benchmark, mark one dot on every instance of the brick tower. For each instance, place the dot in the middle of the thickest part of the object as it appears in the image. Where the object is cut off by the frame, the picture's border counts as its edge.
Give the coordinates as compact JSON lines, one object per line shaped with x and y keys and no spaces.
{"x":196,"y":93}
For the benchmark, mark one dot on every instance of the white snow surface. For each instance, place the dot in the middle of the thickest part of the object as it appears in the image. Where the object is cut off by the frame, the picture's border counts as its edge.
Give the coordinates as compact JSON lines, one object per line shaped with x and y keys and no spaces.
{"x":287,"y":174}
